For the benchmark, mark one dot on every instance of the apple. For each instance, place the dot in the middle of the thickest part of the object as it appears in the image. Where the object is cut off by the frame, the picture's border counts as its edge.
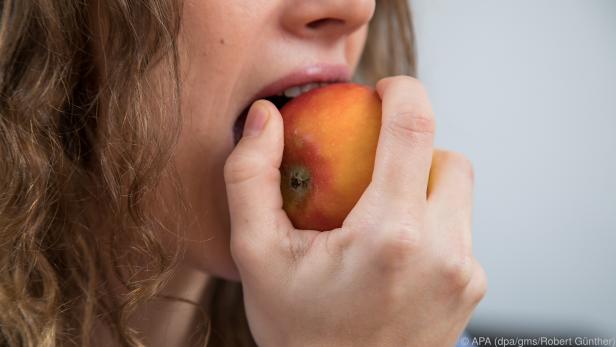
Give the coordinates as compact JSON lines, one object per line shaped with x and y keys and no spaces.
{"x":330,"y":139}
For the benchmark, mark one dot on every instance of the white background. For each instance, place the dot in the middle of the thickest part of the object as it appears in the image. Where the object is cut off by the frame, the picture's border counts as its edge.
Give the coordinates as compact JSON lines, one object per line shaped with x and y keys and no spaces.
{"x":527,"y":90}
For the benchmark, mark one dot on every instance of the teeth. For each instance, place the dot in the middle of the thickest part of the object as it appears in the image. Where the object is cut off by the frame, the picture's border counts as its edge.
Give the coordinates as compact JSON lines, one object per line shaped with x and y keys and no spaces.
{"x":309,"y":86}
{"x":298,"y":90}
{"x":293,"y":92}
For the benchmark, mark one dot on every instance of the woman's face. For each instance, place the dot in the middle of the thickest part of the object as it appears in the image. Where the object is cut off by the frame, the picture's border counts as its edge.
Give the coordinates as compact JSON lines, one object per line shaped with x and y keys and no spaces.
{"x":234,"y":51}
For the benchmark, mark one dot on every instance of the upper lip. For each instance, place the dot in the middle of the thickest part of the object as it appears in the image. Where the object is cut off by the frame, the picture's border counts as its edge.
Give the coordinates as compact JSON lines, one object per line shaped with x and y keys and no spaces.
{"x":309,"y":74}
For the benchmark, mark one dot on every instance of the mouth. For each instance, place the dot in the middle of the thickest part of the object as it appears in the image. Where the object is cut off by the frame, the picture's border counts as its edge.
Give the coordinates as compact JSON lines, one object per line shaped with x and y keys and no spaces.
{"x":283,"y":90}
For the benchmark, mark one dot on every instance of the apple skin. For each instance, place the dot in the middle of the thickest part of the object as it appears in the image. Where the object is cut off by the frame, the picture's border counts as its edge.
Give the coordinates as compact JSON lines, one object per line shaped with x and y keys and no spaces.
{"x":330,"y":139}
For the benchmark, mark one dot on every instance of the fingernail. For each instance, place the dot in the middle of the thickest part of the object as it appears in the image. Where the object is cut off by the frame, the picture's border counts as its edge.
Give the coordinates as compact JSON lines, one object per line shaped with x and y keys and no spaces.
{"x":257,"y":117}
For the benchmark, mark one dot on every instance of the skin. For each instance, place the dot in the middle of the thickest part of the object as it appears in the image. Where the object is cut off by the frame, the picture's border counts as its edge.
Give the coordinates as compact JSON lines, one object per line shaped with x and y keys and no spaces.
{"x":302,"y":286}
{"x":227,"y":63}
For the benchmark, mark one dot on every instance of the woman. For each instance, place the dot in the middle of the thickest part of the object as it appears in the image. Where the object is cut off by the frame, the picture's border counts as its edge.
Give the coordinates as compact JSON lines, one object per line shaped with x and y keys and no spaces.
{"x":131,"y":208}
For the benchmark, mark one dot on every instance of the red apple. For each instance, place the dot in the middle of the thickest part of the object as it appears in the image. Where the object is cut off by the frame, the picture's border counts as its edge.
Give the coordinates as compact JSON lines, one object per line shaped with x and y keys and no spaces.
{"x":330,"y":139}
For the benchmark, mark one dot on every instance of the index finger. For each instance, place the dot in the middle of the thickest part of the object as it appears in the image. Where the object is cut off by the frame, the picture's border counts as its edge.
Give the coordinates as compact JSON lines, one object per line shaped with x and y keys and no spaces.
{"x":404,"y":151}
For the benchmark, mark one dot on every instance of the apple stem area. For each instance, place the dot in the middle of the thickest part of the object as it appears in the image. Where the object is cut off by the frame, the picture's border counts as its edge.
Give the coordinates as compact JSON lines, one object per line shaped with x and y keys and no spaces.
{"x":299,"y":179}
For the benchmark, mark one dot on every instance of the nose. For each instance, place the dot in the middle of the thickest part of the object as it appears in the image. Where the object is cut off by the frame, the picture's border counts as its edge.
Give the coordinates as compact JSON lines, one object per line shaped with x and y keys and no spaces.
{"x":326,"y":18}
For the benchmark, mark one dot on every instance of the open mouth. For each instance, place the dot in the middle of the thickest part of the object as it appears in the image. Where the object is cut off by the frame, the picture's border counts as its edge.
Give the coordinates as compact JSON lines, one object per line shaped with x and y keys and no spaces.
{"x":279,"y":100}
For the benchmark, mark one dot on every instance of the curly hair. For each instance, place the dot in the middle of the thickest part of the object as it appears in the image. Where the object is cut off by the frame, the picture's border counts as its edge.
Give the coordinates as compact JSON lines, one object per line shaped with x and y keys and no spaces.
{"x":81,"y":148}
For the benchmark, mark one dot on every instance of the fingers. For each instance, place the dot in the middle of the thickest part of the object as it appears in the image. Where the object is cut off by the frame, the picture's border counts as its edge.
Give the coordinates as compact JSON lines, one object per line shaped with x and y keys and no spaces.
{"x":393,"y":207}
{"x":450,"y":200}
{"x":451,"y":180}
{"x":404,"y":152}
{"x":253,"y":180}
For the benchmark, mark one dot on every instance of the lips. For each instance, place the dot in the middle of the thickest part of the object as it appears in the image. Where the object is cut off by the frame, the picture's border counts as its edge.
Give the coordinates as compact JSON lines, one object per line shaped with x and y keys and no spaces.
{"x":279,"y":91}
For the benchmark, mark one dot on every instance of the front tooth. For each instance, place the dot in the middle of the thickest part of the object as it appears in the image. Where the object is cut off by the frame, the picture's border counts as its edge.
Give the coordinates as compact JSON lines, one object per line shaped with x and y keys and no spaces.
{"x":293,"y":92}
{"x":323,"y":84}
{"x":309,"y":86}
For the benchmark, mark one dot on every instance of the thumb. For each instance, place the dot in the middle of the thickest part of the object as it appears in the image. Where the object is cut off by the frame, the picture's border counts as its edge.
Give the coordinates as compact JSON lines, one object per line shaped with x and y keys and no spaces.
{"x":252,"y":177}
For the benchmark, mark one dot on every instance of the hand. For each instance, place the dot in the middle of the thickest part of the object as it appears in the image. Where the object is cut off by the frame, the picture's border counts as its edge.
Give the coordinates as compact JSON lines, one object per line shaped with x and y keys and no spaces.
{"x":399,"y":272}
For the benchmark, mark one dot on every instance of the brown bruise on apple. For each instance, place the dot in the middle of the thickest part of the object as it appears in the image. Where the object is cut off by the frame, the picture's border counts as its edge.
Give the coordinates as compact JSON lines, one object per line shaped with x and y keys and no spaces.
{"x":298,"y":180}
{"x":304,"y":173}
{"x":296,"y":184}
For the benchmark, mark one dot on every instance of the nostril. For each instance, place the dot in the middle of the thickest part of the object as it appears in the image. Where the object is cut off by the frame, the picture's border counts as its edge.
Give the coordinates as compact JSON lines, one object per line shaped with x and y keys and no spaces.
{"x":315,"y":24}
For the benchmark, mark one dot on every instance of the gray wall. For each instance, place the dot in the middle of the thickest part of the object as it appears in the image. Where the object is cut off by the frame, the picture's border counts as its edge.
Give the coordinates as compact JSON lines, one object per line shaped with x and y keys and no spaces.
{"x":527,"y":89}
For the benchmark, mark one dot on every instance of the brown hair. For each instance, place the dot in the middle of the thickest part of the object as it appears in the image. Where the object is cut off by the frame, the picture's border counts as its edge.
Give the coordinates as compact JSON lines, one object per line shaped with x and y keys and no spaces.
{"x":74,"y":139}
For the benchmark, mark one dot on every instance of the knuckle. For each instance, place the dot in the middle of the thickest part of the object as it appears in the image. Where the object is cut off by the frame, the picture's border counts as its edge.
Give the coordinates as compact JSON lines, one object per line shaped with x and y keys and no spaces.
{"x":411,"y":125}
{"x":457,"y":271}
{"x":481,"y":288}
{"x":240,"y":167}
{"x":243,"y":251}
{"x":398,"y":244}
{"x":337,"y":241}
{"x":249,"y":245}
{"x":410,"y":115}
{"x":347,"y":234}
